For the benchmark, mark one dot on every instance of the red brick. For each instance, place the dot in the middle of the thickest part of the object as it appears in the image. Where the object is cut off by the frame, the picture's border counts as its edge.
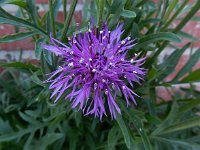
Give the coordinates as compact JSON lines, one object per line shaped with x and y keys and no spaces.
{"x":77,"y":16}
{"x":163,"y":94}
{"x":6,"y":29}
{"x":183,"y":60}
{"x":178,"y":67}
{"x":192,"y":28}
{"x":25,"y":44}
{"x":42,"y":1}
{"x":60,"y":16}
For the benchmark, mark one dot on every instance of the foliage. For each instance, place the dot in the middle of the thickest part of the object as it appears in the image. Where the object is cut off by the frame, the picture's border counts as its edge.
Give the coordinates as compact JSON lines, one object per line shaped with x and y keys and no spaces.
{"x":29,"y":119}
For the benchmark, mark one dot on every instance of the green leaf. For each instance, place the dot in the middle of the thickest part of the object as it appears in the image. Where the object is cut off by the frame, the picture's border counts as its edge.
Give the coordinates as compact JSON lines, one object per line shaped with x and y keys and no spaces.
{"x":191,"y":103}
{"x":187,"y":18}
{"x":19,"y":3}
{"x":110,"y":2}
{"x":141,"y":130}
{"x":184,"y":144}
{"x":177,"y":12}
{"x":6,"y":18}
{"x":136,"y":119}
{"x":28,"y":141}
{"x":112,"y":137}
{"x":170,"y":9}
{"x":149,"y":21}
{"x":19,"y":65}
{"x":169,"y":120}
{"x":38,"y":48}
{"x":50,"y":138}
{"x":189,"y":65}
{"x":5,"y":127}
{"x":187,"y":35}
{"x":32,"y":10}
{"x":192,"y":77}
{"x":145,"y":40}
{"x":36,"y":79}
{"x":176,"y":30}
{"x":128,"y":14}
{"x":135,"y":30}
{"x":20,"y":133}
{"x":168,"y":66}
{"x":48,"y":57}
{"x":193,"y":122}
{"x":29,"y":119}
{"x":17,"y":36}
{"x":124,"y":130}
{"x":195,"y":18}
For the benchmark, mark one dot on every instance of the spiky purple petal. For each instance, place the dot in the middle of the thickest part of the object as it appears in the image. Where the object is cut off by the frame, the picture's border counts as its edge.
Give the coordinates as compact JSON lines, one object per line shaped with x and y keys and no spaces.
{"x":95,"y":69}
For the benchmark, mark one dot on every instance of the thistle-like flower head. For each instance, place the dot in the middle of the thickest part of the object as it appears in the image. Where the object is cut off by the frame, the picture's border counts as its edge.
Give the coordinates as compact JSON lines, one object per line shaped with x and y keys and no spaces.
{"x":94,"y":70}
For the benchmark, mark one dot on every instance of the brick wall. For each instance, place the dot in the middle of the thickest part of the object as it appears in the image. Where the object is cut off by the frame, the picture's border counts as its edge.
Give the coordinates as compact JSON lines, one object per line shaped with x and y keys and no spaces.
{"x":12,"y":50}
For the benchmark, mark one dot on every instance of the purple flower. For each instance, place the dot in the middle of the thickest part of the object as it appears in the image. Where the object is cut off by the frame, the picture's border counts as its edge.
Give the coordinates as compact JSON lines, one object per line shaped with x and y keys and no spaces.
{"x":95,"y":70}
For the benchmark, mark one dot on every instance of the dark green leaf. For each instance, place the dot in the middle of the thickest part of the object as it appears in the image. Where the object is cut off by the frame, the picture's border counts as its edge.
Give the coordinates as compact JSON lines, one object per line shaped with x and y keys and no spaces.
{"x":183,"y":144}
{"x":6,"y":18}
{"x":170,"y":9}
{"x":38,"y":48}
{"x":191,"y":103}
{"x":29,"y":119}
{"x":19,"y":3}
{"x":189,"y":123}
{"x":20,"y":133}
{"x":17,"y":36}
{"x":157,"y":37}
{"x":5,"y":127}
{"x":128,"y":14}
{"x":50,"y":139}
{"x":195,"y":18}
{"x":192,"y":77}
{"x":112,"y":137}
{"x":138,"y":125}
{"x":168,"y":66}
{"x":188,"y":66}
{"x":188,"y":36}
{"x":18,"y":65}
{"x":124,"y":130}
{"x":168,"y":121}
{"x":32,"y":10}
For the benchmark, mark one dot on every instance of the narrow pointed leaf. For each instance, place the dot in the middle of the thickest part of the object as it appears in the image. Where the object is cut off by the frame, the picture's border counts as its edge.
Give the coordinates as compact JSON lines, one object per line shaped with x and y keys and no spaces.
{"x":17,"y":36}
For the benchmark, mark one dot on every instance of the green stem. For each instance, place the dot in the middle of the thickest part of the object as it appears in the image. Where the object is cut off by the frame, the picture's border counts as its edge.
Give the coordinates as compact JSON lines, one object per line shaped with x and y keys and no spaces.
{"x":52,"y":18}
{"x":65,"y":8}
{"x":68,"y":20}
{"x":101,"y":4}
